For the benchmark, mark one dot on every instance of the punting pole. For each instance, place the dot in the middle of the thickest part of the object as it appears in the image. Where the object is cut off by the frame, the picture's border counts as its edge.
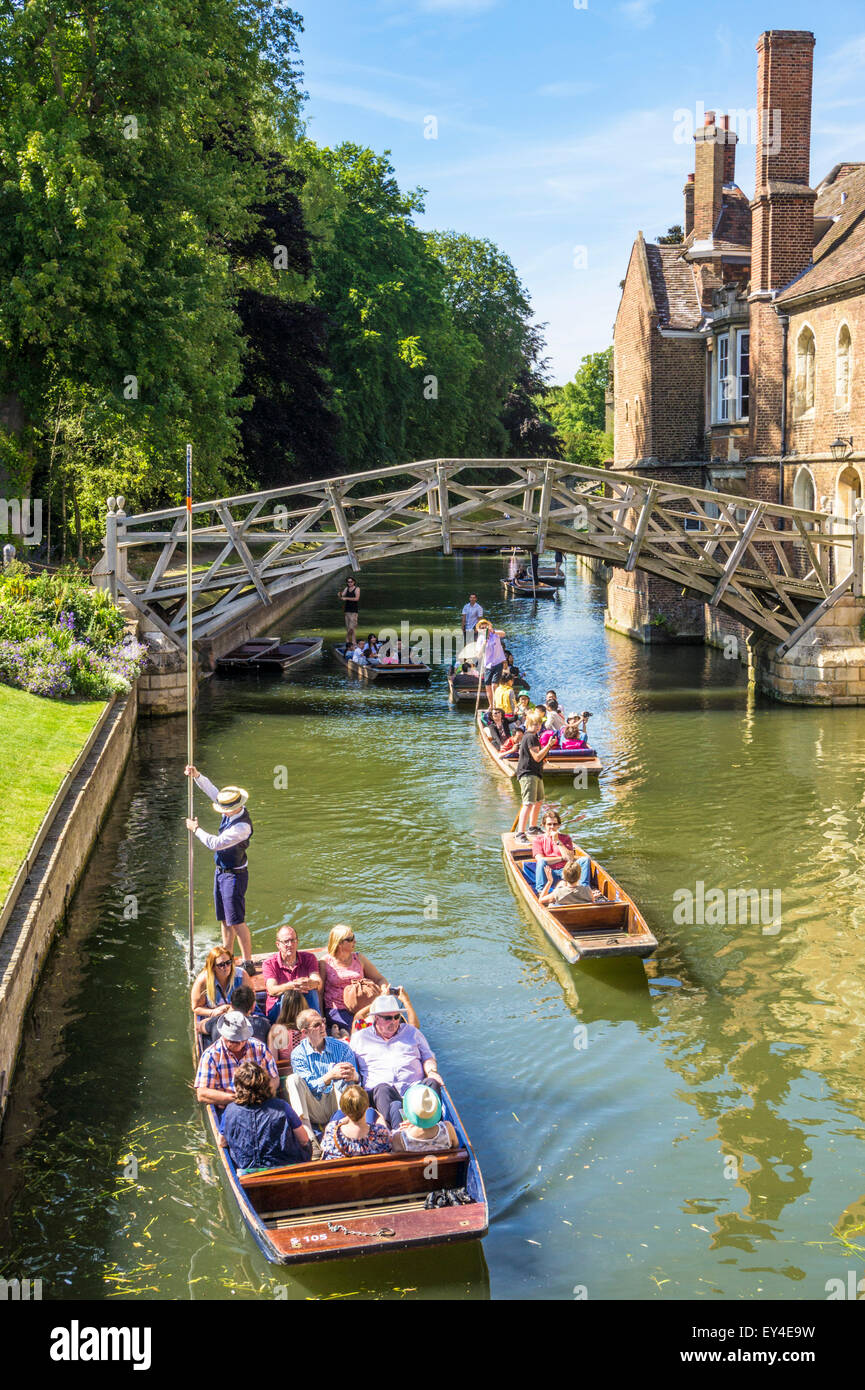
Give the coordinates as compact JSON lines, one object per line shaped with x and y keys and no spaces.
{"x":190,"y":751}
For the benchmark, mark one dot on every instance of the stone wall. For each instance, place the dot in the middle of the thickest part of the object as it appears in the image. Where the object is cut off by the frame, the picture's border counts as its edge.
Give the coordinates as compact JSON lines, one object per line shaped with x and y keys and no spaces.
{"x":825,"y":667}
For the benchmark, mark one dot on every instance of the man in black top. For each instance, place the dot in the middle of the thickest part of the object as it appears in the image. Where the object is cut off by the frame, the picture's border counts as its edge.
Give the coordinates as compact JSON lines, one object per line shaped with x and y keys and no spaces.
{"x":350,"y":596}
{"x":530,"y":765}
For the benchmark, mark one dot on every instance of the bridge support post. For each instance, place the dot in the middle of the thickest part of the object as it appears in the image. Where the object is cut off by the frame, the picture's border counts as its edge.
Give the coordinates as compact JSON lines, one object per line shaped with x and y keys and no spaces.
{"x":825,"y":667}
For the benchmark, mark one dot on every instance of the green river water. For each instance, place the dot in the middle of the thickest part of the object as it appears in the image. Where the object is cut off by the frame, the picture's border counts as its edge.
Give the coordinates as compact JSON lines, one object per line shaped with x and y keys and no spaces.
{"x":686,"y":1127}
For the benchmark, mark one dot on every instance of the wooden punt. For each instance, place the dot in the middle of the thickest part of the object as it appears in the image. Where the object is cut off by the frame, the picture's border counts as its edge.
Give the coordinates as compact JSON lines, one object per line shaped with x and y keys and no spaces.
{"x":586,"y":932}
{"x":550,"y":577}
{"x":520,"y":588}
{"x":270,"y":654}
{"x":565,"y":764}
{"x":374,"y":670}
{"x":463,"y":687}
{"x":341,"y":1208}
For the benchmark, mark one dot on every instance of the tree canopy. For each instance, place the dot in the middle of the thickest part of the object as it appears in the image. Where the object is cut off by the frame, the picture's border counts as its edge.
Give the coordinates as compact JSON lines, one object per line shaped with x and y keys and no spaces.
{"x":182,"y":262}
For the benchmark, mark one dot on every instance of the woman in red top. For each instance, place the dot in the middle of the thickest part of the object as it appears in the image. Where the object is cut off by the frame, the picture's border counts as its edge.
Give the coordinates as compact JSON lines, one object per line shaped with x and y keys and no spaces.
{"x":551,"y":850}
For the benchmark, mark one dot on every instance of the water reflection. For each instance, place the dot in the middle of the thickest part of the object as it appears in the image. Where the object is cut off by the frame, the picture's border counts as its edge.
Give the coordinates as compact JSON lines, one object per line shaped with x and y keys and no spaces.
{"x":703,"y":1137}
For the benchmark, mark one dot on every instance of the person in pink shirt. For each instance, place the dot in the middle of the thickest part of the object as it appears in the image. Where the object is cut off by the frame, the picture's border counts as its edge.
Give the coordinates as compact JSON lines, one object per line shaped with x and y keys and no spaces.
{"x":341,"y":966}
{"x":551,"y":850}
{"x":289,"y":969}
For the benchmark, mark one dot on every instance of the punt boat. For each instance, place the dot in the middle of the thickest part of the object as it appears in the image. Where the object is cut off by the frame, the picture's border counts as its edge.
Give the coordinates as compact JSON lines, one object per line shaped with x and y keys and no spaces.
{"x":565,"y":763}
{"x":269,"y":653}
{"x":522,"y":588}
{"x":589,"y":931}
{"x":550,"y":577}
{"x":463,"y":687}
{"x":341,"y":1208}
{"x":382,"y":670}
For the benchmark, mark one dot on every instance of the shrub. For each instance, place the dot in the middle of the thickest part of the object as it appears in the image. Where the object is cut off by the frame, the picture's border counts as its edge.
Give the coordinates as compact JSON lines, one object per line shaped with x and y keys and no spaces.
{"x":60,"y":637}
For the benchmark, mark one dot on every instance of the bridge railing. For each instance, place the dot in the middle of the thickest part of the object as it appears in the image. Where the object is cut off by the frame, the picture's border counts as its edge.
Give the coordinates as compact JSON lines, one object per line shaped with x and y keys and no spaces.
{"x":776,"y":568}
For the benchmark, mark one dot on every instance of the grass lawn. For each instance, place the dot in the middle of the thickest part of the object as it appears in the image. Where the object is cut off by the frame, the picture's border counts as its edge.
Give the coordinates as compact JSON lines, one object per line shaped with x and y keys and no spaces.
{"x":39,"y":741}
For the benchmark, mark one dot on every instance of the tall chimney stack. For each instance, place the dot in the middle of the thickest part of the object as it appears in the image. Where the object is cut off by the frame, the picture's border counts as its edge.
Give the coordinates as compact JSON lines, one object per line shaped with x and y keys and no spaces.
{"x":688,"y":191}
{"x":708,"y":178}
{"x":730,"y":141}
{"x":782,"y":226}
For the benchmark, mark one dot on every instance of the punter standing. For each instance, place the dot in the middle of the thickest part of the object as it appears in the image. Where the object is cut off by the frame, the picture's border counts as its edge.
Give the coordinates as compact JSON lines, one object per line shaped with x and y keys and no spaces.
{"x":231,"y":876}
{"x":350,"y":596}
{"x":492,"y":663}
{"x":471,"y":616}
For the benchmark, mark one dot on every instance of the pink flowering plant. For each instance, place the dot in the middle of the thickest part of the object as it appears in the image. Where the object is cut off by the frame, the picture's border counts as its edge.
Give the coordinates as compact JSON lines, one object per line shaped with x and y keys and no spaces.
{"x":60,"y":638}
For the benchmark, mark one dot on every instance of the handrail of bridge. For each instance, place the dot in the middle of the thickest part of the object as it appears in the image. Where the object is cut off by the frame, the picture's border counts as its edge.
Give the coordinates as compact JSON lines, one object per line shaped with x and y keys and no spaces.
{"x":774,"y":567}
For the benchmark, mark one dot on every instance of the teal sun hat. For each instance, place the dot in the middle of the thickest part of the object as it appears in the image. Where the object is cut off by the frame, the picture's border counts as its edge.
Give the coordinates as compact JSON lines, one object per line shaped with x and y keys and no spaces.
{"x":421,"y":1106}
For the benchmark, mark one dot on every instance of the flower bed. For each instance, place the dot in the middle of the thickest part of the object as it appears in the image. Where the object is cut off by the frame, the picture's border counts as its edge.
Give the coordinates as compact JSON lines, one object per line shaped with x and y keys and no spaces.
{"x":59,"y":637}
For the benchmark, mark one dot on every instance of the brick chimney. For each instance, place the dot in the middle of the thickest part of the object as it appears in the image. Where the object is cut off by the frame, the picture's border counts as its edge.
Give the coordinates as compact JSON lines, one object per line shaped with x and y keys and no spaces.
{"x":708,"y":178}
{"x":782,"y":234}
{"x":731,"y":139}
{"x":688,"y":191}
{"x":783,"y":206}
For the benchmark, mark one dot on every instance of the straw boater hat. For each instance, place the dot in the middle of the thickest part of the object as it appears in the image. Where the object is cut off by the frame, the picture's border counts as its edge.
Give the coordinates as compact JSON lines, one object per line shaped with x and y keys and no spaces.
{"x":421,"y":1106}
{"x":229,"y":800}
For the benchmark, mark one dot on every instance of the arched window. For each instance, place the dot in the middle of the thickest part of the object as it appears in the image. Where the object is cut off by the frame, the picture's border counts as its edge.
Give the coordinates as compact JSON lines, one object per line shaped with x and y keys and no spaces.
{"x":626,"y":412}
{"x":636,"y":410}
{"x":847,"y":490}
{"x":843,"y":363}
{"x":804,"y":491}
{"x":806,"y":356}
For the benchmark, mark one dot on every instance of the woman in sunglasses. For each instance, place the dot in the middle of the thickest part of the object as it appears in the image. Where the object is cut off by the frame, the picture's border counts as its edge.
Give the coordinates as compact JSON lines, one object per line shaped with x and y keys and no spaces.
{"x":340,"y":967}
{"x":213,"y":988}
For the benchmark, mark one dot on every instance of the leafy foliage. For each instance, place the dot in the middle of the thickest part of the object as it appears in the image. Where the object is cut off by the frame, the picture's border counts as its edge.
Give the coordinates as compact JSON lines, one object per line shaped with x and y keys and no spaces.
{"x":578,"y":409}
{"x":59,"y":637}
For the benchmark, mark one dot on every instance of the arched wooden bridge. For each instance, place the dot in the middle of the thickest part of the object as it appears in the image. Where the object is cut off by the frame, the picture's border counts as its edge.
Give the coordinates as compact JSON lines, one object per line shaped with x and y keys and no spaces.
{"x":777,"y":569}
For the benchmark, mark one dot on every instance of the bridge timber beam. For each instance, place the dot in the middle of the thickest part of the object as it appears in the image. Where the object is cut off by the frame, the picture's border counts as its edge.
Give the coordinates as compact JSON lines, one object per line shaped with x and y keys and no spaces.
{"x":777,"y":569}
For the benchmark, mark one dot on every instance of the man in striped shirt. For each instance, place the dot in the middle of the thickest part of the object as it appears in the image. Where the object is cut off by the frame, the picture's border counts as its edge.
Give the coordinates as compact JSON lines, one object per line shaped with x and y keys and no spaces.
{"x":321,"y":1068}
{"x":214,"y":1080}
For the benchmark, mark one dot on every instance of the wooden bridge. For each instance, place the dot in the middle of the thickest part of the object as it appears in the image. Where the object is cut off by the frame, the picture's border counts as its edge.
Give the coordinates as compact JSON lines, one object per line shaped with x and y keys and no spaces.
{"x":776,"y":569}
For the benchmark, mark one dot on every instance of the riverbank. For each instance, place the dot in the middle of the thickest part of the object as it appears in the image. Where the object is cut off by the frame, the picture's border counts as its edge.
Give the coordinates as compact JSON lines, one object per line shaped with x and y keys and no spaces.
{"x":39,"y":741}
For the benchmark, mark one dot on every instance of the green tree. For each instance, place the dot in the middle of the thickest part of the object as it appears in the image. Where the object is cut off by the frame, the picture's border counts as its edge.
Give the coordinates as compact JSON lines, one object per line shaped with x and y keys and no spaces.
{"x":121,"y":189}
{"x":578,"y":410}
{"x":399,"y":363}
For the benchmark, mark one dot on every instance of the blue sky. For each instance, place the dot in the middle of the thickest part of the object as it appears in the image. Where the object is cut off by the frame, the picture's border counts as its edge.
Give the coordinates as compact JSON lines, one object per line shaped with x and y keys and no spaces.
{"x":557,"y":132}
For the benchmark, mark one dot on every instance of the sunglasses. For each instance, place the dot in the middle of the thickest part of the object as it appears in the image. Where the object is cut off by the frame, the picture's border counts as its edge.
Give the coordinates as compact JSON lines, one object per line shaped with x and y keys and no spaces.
{"x":348,"y":938}
{"x":389,"y":1018}
{"x":223,"y":964}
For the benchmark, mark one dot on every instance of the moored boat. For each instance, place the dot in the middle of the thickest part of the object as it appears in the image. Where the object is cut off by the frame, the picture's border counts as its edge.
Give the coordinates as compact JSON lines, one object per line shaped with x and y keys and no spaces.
{"x":463,"y":687}
{"x":382,"y":670}
{"x":564,"y":763}
{"x":521,"y":588}
{"x":270,"y":654}
{"x":586,"y":931}
{"x":550,"y":577}
{"x":342,"y":1208}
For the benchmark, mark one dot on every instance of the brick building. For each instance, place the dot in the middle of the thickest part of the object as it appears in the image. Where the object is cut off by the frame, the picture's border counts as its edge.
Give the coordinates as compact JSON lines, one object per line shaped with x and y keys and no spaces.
{"x":735,"y":353}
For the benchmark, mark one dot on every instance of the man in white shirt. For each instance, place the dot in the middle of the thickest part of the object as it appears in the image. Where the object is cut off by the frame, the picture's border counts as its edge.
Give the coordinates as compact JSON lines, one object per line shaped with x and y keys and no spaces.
{"x":471,"y":613}
{"x":231,"y":875}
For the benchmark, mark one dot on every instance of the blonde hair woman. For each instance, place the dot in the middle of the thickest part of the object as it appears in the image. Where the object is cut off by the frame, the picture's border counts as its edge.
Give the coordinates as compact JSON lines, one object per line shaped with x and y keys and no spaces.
{"x":340,"y":967}
{"x":214,"y":986}
{"x":352,"y":1136}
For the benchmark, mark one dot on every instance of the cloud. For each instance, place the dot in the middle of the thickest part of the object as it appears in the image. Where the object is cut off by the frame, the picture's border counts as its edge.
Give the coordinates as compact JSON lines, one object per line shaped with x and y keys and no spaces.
{"x":393,"y":108}
{"x":639,"y":13}
{"x":457,"y":7}
{"x":567,"y":89}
